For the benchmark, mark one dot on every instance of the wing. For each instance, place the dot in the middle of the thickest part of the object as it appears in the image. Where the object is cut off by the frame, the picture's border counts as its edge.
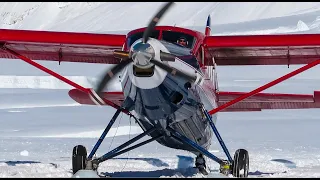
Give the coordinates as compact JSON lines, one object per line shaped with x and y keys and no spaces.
{"x":61,"y":46}
{"x":64,"y":47}
{"x":262,"y":101}
{"x":283,"y":49}
{"x":262,"y":49}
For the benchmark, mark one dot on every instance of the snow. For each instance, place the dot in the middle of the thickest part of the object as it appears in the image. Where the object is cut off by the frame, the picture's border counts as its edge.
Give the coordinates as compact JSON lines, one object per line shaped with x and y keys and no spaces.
{"x":40,"y":123}
{"x":24,"y":153}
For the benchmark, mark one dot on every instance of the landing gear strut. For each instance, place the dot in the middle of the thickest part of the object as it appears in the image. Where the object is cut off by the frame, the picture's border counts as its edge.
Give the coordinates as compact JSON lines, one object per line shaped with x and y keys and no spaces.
{"x":81,"y":162}
{"x":239,"y":166}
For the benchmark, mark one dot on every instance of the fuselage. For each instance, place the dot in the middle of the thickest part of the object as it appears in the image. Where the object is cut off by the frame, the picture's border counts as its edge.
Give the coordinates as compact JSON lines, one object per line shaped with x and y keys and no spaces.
{"x":164,"y":100}
{"x":161,"y":99}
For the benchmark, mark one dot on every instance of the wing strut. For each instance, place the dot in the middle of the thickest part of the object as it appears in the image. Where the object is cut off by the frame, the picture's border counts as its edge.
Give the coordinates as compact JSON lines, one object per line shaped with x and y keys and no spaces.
{"x":95,"y":98}
{"x":264,"y":87}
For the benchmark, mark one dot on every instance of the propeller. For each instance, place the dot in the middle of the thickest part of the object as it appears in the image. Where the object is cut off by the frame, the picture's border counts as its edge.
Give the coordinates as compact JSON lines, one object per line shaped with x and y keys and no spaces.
{"x":142,"y":54}
{"x":155,"y":21}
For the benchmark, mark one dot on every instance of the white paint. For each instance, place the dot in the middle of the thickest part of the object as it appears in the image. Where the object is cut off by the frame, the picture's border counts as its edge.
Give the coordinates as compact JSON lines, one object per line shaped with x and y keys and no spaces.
{"x":159,"y":74}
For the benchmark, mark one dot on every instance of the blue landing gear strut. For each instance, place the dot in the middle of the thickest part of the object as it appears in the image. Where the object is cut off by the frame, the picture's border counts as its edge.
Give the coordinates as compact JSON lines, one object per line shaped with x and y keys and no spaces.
{"x":80,"y":161}
{"x":239,"y":167}
{"x":103,"y":135}
{"x":216,"y":132}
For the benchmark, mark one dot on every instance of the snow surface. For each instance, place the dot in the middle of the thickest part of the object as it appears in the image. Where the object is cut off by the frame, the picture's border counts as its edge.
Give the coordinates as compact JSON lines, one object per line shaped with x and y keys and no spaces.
{"x":40,"y":123}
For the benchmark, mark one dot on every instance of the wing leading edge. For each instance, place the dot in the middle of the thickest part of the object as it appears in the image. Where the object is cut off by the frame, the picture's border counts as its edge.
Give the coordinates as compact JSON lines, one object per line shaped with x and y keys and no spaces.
{"x":61,"y":46}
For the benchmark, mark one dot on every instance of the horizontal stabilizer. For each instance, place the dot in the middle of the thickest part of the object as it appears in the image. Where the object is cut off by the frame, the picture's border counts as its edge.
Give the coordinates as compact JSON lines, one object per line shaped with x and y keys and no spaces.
{"x":262,"y":101}
{"x":84,"y":98}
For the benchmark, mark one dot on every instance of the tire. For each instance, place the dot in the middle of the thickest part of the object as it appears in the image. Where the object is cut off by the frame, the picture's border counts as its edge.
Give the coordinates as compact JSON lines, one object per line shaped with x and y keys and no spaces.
{"x":240,"y":166}
{"x":79,"y":158}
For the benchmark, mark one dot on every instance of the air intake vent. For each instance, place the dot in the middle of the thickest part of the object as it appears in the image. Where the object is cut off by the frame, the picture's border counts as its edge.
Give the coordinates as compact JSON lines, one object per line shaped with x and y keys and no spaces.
{"x":139,"y":72}
{"x":176,"y":97}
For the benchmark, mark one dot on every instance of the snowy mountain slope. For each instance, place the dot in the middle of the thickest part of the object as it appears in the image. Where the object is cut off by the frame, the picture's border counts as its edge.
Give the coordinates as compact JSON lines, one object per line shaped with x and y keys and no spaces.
{"x":119,"y":16}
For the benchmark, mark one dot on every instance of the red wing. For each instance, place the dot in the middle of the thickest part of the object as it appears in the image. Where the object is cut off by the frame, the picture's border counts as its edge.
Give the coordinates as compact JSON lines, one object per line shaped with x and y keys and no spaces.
{"x":61,"y":46}
{"x":262,"y":101}
{"x":262,"y":49}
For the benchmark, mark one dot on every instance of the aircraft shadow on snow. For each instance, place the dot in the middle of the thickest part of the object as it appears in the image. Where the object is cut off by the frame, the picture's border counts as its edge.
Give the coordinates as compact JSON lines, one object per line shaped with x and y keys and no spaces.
{"x":153,"y":161}
{"x":14,"y":163}
{"x":189,"y":172}
{"x":184,"y":168}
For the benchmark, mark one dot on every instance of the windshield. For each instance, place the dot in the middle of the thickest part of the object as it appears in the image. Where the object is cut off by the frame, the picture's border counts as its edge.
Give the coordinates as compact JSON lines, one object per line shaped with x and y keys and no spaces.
{"x":170,"y":41}
{"x":133,"y":38}
{"x":182,"y":53}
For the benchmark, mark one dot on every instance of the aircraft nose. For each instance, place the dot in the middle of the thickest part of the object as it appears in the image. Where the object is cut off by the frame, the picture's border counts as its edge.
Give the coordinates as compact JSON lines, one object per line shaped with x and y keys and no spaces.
{"x":142,"y":53}
{"x":146,"y":78}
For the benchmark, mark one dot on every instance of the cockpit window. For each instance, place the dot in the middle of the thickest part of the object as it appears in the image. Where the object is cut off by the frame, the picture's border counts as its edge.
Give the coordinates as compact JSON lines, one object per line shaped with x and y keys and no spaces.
{"x":170,"y":39}
{"x":182,"y":53}
{"x":134,"y":37}
{"x":179,"y":38}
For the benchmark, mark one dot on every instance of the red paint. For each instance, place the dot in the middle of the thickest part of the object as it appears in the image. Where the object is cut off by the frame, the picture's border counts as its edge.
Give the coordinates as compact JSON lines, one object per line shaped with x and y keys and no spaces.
{"x":263,"y":40}
{"x":9,"y":35}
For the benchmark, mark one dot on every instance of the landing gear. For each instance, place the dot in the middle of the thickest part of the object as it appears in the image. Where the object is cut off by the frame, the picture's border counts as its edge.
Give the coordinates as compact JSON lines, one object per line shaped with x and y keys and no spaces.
{"x":240,"y":166}
{"x":225,"y":168}
{"x":201,"y":164}
{"x":79,"y":158}
{"x":87,"y":166}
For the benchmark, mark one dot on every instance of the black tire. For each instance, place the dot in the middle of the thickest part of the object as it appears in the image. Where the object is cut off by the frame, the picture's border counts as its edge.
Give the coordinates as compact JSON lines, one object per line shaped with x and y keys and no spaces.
{"x":79,"y":158}
{"x":240,"y":166}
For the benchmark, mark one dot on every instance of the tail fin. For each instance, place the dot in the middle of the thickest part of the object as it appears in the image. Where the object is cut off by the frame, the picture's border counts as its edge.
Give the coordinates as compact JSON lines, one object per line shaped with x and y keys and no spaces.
{"x":208,"y":27}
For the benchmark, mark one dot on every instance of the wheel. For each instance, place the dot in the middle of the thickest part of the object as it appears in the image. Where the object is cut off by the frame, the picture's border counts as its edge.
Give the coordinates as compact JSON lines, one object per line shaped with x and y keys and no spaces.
{"x":79,"y":158}
{"x":240,"y":166}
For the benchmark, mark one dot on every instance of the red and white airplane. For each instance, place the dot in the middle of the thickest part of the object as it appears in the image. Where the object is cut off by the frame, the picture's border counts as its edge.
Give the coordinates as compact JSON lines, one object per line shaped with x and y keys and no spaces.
{"x":169,"y":82}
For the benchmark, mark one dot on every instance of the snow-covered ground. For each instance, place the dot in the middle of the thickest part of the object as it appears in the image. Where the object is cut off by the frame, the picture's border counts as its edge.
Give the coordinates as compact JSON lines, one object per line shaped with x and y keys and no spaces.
{"x":40,"y":124}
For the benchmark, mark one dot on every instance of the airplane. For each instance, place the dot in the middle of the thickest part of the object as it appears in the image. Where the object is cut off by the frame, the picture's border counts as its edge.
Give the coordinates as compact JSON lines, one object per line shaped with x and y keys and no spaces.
{"x":170,"y":89}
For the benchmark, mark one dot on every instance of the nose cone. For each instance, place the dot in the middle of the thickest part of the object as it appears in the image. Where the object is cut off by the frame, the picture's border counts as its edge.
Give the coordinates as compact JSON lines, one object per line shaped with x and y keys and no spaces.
{"x":142,"y":53}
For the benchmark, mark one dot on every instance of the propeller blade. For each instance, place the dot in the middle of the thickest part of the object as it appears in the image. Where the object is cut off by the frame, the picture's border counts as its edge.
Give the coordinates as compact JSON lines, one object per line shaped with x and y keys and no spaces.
{"x":174,"y":71}
{"x":110,"y":73}
{"x":120,"y":54}
{"x":167,"y":56}
{"x":154,"y":22}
